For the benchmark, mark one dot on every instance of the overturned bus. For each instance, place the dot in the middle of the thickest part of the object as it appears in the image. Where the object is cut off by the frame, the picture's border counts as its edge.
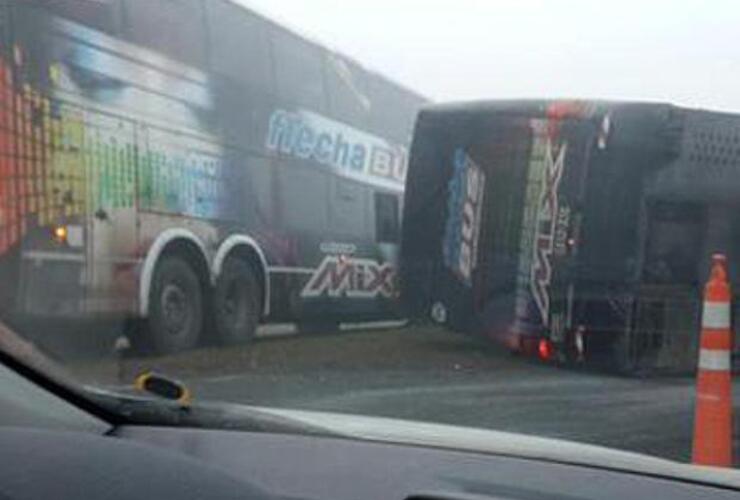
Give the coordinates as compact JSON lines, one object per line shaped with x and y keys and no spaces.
{"x":582,"y":231}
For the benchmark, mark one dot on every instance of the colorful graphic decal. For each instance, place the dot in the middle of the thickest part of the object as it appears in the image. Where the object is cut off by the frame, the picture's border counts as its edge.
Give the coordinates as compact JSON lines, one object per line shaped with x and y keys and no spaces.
{"x":182,"y":182}
{"x":11,"y":226}
{"x":92,"y":165}
{"x":544,"y":220}
{"x":346,"y":150}
{"x":43,"y":162}
{"x":353,"y":277}
{"x":173,"y":175}
{"x":61,"y":161}
{"x":547,"y":217}
{"x":464,"y":205}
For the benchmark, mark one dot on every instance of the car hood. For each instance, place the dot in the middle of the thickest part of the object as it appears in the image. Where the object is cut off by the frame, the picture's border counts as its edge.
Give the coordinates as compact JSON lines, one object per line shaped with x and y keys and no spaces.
{"x":503,"y":443}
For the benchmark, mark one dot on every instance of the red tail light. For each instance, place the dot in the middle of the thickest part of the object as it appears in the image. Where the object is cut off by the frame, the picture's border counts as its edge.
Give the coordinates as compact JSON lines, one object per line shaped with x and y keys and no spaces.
{"x":544,"y":349}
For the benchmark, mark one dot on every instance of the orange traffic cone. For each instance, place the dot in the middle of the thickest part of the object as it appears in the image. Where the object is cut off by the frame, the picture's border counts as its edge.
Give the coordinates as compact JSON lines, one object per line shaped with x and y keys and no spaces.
{"x":713,"y":417}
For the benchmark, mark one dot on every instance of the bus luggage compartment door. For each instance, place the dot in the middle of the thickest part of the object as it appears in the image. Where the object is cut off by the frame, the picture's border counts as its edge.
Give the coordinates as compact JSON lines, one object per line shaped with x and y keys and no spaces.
{"x":112,"y":243}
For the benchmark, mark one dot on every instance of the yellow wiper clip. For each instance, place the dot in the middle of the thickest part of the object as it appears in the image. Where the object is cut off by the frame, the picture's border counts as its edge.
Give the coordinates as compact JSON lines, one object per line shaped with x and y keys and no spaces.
{"x":163,"y":386}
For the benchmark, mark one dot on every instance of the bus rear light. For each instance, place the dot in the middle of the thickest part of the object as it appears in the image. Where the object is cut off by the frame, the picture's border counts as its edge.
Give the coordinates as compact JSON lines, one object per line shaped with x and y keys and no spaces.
{"x":544,"y":349}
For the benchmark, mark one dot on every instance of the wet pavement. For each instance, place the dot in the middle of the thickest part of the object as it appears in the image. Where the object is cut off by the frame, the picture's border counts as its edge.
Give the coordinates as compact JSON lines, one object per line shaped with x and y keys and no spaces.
{"x":431,"y":375}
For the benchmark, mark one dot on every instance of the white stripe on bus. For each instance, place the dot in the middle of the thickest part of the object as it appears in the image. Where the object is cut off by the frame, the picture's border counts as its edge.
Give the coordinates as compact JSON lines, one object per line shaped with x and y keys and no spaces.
{"x":74,"y":257}
{"x":289,"y":270}
{"x":716,"y":315}
{"x":714,"y":360}
{"x":39,"y":255}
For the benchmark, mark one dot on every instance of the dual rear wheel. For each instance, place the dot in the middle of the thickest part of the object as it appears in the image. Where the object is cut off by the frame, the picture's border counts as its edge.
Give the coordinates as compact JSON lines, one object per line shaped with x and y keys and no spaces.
{"x":181,"y":304}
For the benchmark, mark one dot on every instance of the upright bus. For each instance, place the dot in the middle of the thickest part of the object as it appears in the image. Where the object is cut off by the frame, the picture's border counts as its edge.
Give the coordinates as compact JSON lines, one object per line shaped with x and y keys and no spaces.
{"x":189,"y":162}
{"x":582,"y":230}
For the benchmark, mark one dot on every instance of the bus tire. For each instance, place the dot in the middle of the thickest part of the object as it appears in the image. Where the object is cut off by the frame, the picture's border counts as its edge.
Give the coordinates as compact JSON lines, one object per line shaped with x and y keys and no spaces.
{"x":176,"y":312}
{"x":236,"y":303}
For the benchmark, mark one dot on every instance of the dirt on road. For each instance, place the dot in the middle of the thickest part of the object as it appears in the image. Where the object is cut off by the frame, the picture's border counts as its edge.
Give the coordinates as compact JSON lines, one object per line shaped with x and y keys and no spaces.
{"x":412,"y":348}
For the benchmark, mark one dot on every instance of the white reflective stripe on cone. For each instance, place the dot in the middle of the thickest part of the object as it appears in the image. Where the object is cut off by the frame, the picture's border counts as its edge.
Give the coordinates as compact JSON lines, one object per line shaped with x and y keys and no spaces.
{"x":716,"y":315}
{"x":714,"y":360}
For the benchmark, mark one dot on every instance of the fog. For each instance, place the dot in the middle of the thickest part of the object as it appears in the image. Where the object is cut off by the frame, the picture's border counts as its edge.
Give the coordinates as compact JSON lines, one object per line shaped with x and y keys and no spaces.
{"x":685,"y":52}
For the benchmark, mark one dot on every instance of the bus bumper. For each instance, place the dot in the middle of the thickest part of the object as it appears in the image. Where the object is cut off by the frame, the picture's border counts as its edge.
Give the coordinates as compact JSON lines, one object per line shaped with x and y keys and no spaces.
{"x":52,"y":284}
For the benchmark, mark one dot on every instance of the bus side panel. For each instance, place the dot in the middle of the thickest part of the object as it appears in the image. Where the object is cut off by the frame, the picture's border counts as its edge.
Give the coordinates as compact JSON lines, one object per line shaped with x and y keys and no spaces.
{"x":49,"y":180}
{"x":504,"y":147}
{"x":462,"y":221}
{"x":334,"y":242}
{"x":561,"y":210}
{"x":423,"y":213}
{"x":124,"y":132}
{"x":83,"y":158}
{"x":500,"y":263}
{"x":9,"y":217}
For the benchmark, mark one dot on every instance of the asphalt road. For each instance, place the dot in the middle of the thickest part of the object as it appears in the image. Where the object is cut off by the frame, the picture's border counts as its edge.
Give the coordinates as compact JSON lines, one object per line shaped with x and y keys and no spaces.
{"x":436,"y":376}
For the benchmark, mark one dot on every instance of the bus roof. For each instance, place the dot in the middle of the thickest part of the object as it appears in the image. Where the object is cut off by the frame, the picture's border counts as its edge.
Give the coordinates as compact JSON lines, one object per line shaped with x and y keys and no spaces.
{"x":538,"y":107}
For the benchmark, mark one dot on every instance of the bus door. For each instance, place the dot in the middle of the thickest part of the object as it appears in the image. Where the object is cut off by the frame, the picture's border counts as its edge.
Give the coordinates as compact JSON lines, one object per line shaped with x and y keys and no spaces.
{"x":111,"y":161}
{"x":387,"y":209}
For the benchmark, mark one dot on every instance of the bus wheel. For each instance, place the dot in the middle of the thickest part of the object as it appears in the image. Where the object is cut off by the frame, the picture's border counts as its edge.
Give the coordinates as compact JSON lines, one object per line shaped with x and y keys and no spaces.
{"x":236,"y":302}
{"x":176,"y":303}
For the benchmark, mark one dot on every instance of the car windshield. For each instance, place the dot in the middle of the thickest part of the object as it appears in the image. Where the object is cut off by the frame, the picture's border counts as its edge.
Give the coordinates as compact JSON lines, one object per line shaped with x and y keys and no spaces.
{"x":520,"y":215}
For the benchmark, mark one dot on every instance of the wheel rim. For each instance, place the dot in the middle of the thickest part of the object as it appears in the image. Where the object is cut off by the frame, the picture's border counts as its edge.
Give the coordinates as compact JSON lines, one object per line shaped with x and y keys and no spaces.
{"x":175,"y":309}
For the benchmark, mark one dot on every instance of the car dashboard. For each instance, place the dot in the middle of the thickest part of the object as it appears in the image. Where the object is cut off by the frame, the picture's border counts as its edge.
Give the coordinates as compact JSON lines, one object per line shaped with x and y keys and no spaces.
{"x":53,"y":448}
{"x":155,"y":462}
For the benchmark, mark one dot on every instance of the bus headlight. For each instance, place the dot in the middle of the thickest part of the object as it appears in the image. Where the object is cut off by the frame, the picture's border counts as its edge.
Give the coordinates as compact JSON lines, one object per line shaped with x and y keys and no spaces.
{"x":60,"y":234}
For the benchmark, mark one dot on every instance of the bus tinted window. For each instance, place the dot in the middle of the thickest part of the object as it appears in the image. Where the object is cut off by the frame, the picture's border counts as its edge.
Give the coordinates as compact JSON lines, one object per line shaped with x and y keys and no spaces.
{"x":104,"y":15}
{"x":348,"y":208}
{"x":172,"y":27}
{"x":386,"y":218}
{"x":392,"y":110}
{"x":299,"y":71}
{"x":300,"y":211}
{"x":239,"y":44}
